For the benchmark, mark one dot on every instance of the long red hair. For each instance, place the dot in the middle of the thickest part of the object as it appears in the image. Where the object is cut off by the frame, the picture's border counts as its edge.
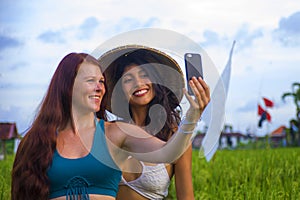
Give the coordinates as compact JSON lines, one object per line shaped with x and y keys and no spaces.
{"x":34,"y":154}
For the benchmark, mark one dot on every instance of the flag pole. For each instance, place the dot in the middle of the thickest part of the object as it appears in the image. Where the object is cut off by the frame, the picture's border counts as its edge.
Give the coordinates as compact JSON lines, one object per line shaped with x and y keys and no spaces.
{"x":269,"y":135}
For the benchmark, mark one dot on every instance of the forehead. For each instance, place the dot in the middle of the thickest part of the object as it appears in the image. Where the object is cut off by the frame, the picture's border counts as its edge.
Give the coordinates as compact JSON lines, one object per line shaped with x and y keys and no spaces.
{"x":133,"y":68}
{"x":89,"y":69}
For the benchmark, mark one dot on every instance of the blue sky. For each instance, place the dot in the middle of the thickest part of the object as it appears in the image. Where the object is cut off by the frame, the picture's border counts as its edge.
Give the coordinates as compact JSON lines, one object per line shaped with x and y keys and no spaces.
{"x":35,"y":35}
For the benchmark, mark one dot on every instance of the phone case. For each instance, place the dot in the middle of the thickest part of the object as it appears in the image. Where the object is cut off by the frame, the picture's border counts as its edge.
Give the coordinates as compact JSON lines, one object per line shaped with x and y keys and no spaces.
{"x":193,"y":66}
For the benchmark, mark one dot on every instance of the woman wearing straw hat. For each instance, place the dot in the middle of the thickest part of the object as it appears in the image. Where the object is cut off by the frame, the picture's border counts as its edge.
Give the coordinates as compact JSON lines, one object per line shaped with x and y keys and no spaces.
{"x":145,"y":88}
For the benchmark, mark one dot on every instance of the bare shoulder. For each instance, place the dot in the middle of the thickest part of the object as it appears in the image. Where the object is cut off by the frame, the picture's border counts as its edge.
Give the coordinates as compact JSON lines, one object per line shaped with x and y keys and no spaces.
{"x":119,"y":127}
{"x":118,"y":131}
{"x":112,"y":128}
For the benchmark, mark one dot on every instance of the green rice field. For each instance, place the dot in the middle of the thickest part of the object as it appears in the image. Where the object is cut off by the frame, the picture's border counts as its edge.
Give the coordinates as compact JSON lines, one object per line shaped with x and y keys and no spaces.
{"x":232,"y":174}
{"x":264,"y":174}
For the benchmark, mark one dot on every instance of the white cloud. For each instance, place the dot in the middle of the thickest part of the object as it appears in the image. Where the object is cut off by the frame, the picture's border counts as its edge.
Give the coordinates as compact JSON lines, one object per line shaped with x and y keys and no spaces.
{"x":260,"y":64}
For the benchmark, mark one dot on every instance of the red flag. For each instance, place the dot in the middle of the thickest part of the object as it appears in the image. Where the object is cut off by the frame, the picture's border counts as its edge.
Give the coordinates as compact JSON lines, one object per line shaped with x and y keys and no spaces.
{"x":264,"y":116}
{"x":268,"y":102}
{"x":260,"y":110}
{"x":268,"y":116}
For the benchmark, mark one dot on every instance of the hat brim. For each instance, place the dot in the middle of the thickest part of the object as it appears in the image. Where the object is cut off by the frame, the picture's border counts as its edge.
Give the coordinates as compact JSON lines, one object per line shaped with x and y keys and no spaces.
{"x":165,"y":66}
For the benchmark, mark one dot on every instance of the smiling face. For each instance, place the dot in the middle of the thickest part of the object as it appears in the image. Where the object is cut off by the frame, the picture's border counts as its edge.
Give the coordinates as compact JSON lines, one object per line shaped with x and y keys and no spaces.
{"x":137,"y":86}
{"x":88,"y":89}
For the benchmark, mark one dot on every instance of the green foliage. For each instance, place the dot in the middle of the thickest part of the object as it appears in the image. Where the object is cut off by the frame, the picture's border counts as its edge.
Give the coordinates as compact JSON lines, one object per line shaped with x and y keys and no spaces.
{"x":247,"y":174}
{"x":231,"y":174}
{"x":5,"y":177}
{"x":9,"y":146}
{"x":295,"y":94}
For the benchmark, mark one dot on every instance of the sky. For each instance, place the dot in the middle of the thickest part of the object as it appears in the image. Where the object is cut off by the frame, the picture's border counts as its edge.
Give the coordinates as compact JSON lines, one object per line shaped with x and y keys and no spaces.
{"x":35,"y":35}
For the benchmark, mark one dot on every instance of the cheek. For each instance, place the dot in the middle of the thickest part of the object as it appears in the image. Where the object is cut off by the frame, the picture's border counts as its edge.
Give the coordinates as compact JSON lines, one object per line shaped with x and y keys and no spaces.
{"x":152,"y":91}
{"x":103,"y":89}
{"x":126,"y":89}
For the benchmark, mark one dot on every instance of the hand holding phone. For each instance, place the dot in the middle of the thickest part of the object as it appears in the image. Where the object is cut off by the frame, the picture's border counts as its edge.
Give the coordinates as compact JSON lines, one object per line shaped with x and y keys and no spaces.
{"x":193,"y":66}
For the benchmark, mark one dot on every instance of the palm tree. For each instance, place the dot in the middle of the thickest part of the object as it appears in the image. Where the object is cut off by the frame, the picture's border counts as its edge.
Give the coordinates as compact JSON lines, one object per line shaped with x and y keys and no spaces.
{"x":296,"y":97}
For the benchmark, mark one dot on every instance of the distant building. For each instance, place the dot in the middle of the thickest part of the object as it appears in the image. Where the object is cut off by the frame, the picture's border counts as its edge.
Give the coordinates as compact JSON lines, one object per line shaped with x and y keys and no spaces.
{"x":8,"y":131}
{"x":226,"y":140}
{"x":197,"y":141}
{"x":278,"y":137}
{"x":232,"y":139}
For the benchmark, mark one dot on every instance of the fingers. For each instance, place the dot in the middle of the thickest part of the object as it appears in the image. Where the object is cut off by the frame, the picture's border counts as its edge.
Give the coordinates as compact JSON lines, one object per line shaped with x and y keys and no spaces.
{"x":205,"y":87}
{"x":201,"y":91}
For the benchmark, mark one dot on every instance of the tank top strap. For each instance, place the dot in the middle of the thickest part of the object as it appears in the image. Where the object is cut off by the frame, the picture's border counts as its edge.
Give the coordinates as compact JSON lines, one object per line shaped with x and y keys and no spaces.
{"x":100,"y":149}
{"x":95,"y":119}
{"x":99,"y":140}
{"x":99,"y":128}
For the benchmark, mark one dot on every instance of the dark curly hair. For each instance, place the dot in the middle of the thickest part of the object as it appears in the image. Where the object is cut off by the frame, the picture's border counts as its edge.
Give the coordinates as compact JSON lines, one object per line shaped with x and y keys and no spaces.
{"x":163,"y":95}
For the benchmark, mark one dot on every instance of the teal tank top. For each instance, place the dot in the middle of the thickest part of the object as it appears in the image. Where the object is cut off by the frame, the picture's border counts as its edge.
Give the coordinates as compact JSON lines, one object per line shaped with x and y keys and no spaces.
{"x":95,"y":173}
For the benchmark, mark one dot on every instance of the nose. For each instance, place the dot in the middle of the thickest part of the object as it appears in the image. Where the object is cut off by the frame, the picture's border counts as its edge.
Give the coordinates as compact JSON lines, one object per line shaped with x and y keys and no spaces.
{"x":99,"y":86}
{"x":139,"y":81}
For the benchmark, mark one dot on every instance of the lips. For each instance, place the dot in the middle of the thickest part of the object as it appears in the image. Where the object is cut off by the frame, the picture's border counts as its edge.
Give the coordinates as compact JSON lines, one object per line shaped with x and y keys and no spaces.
{"x":140,"y":92}
{"x":97,"y":97}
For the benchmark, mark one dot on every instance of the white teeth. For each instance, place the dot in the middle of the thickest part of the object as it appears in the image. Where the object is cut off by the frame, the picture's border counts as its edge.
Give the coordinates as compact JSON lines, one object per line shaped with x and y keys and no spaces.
{"x":140,"y":92}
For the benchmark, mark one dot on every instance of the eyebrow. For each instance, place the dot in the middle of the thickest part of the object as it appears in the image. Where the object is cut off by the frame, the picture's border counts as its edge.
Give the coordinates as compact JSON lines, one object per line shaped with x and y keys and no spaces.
{"x":127,"y":74}
{"x":141,"y":70}
{"x":87,"y":77}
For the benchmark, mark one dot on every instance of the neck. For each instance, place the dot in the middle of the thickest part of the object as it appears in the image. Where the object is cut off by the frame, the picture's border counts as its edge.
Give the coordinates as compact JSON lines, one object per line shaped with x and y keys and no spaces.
{"x":139,"y":114}
{"x":83,"y":121}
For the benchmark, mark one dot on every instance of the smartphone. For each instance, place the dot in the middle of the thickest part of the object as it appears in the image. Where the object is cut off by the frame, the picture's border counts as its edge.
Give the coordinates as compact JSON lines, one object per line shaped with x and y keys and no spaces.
{"x":193,"y":67}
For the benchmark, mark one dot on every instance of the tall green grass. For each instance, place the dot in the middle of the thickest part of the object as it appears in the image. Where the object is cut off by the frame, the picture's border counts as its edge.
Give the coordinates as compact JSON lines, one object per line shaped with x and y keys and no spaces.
{"x":5,"y":177}
{"x":247,"y":174}
{"x":263,"y":174}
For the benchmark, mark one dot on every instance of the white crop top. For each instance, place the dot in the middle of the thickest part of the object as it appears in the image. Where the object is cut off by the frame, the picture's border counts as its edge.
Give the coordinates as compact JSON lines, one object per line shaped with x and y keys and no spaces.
{"x":153,"y":182}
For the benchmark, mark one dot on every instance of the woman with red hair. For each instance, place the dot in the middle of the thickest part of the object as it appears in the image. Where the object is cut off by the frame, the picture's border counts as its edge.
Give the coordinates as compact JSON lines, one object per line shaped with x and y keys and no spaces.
{"x":70,"y":153}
